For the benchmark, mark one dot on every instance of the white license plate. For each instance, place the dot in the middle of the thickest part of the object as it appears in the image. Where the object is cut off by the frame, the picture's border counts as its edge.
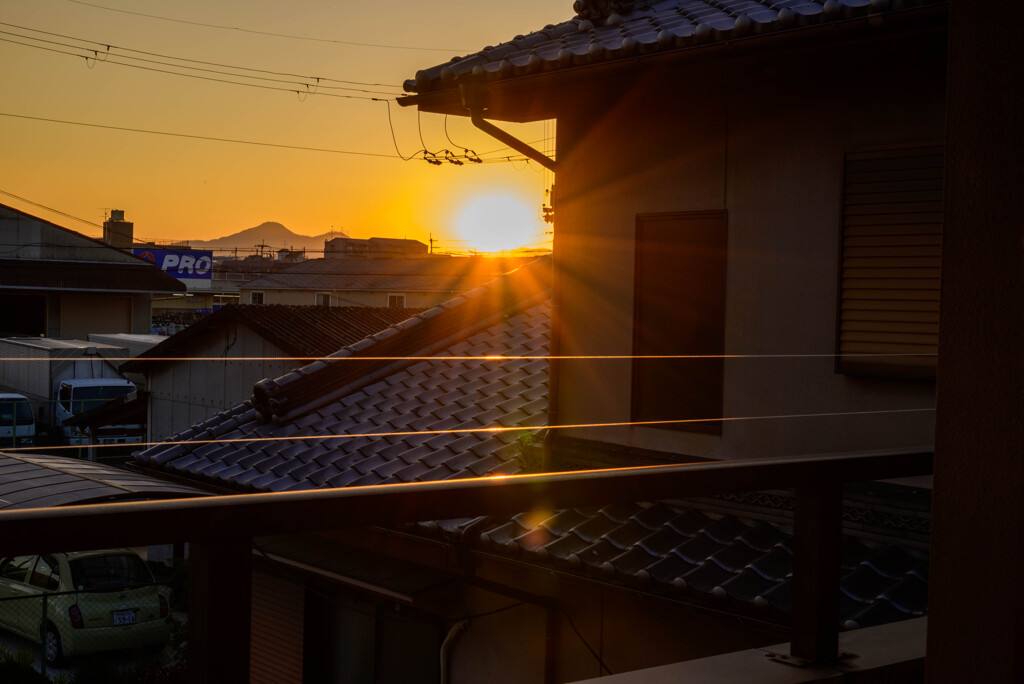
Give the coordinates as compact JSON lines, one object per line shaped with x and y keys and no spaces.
{"x":124,"y":617}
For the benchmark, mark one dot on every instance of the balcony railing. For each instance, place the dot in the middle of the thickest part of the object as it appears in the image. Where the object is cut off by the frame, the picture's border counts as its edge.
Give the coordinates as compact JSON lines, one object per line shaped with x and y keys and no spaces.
{"x":220,"y":529}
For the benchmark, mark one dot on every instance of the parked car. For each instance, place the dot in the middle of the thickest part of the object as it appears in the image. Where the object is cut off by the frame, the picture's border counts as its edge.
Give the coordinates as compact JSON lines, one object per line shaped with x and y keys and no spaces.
{"x":95,"y":601}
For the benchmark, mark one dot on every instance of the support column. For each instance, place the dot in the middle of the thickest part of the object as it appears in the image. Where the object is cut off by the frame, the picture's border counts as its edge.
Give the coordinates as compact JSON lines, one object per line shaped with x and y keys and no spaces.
{"x":219,"y":611}
{"x":817,"y":540}
{"x":976,"y":596}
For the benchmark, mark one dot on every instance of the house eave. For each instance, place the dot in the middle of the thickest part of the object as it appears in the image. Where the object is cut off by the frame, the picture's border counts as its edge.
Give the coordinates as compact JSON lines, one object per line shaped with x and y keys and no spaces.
{"x":535,"y":96}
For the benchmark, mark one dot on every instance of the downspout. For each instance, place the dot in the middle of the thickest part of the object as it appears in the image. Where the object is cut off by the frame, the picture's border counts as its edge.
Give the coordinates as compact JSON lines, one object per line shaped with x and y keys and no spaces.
{"x":475,"y":98}
{"x":446,"y":646}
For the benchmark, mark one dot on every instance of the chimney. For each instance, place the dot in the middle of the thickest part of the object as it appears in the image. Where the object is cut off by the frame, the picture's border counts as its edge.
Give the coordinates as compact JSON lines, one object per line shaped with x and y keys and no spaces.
{"x":117,"y":232}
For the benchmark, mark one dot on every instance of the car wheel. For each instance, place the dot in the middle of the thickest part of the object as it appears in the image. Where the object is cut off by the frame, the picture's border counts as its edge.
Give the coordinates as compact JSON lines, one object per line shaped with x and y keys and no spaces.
{"x":51,"y":647}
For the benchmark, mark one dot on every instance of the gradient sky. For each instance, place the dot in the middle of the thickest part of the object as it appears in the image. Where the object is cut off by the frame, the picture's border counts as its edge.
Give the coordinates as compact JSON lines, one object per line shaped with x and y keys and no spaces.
{"x":176,"y":188}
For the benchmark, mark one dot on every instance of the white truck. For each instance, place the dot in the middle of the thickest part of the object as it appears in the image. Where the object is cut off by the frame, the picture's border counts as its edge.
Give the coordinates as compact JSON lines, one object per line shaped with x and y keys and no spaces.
{"x":17,"y":421}
{"x":64,"y":378}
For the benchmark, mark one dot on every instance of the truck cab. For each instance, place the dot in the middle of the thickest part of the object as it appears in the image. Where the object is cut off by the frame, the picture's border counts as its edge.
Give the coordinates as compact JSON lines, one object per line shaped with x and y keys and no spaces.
{"x":17,"y":421}
{"x":78,"y":395}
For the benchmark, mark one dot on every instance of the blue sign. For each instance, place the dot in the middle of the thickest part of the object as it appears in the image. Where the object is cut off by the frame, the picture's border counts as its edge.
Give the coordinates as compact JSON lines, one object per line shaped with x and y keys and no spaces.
{"x":182,"y":264}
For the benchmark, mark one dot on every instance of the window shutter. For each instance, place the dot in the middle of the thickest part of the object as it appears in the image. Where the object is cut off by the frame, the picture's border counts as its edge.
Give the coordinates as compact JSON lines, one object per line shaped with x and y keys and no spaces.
{"x":891,"y":253}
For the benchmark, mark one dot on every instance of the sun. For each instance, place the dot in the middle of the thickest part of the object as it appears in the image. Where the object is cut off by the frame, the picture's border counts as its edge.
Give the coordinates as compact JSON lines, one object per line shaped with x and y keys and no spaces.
{"x":498,"y":222}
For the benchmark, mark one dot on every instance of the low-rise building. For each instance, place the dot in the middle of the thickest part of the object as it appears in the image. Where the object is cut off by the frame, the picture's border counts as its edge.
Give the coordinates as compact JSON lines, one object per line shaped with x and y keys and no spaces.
{"x":417,"y":282}
{"x":56,"y":282}
{"x":211,"y":365}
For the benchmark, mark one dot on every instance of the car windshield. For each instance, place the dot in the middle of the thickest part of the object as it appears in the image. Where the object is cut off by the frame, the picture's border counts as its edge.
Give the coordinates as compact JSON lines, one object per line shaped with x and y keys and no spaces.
{"x":15,"y":411}
{"x":114,"y":571}
{"x":85,"y":398}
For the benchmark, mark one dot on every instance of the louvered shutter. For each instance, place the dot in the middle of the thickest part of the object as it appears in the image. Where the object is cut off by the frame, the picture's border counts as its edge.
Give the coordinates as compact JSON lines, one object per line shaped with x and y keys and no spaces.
{"x":891,"y":253}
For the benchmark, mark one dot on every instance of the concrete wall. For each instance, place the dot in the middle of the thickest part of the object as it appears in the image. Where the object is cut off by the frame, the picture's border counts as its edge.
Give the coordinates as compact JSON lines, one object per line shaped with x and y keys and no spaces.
{"x":765,"y":141}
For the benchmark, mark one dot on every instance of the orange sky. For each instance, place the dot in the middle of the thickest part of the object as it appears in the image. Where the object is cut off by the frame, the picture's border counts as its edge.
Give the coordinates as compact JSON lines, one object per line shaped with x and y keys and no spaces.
{"x":179,"y":188}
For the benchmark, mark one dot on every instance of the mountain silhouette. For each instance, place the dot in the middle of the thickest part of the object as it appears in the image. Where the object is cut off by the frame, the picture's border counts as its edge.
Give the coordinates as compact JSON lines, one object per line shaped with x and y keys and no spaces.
{"x":270,"y":233}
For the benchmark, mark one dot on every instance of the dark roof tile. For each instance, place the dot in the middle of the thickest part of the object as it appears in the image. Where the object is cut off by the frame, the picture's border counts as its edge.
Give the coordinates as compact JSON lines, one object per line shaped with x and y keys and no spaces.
{"x":628,"y":534}
{"x":690,"y":522}
{"x":706,"y":577}
{"x":597,"y":554}
{"x":344,"y":478}
{"x":725,"y":530}
{"x":562,"y":522}
{"x":662,"y":541}
{"x":864,"y":584}
{"x":776,"y":565}
{"x":668,"y":569}
{"x":566,"y":547}
{"x":697,"y":549}
{"x":631,"y":562}
{"x":744,"y":587}
{"x":909,"y":596}
{"x":594,"y":528}
{"x":735,"y":557}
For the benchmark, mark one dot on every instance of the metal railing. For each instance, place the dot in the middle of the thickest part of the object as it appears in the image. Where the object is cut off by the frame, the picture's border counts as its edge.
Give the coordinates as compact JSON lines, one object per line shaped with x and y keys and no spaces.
{"x":219,"y":530}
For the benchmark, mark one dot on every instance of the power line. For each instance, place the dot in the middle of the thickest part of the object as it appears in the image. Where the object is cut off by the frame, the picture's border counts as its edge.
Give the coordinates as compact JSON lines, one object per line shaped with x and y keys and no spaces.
{"x":311,"y":89}
{"x":198,"y":137}
{"x":491,"y":430}
{"x":302,"y":148}
{"x":267,"y":33}
{"x":55,"y":211}
{"x":102,"y":54}
{"x":107,"y":46}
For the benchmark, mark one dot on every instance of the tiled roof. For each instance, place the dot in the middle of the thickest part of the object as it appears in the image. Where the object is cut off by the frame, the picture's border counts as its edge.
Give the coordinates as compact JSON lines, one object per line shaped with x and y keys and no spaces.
{"x":41,"y":480}
{"x":434,"y":398}
{"x":42,"y":274}
{"x":301,"y":331}
{"x":606,"y":31}
{"x":673,"y":549}
{"x":417,"y":274}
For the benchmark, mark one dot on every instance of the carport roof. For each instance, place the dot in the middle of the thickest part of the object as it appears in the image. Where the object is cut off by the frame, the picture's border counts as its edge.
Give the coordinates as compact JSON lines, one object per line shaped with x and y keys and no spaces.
{"x":41,"y":480}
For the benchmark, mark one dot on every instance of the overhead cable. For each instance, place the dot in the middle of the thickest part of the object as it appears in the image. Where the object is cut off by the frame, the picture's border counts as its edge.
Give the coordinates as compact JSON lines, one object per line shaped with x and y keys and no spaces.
{"x":267,"y":33}
{"x":107,"y":47}
{"x":487,"y":430}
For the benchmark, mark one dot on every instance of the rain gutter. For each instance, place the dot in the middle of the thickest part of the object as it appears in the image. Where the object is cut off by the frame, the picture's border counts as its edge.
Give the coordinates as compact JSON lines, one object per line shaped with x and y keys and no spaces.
{"x":475,"y":97}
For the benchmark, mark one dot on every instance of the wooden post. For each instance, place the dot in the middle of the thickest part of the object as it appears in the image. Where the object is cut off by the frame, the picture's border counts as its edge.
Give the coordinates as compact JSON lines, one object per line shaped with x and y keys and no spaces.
{"x":219,"y":615}
{"x":975,"y":593}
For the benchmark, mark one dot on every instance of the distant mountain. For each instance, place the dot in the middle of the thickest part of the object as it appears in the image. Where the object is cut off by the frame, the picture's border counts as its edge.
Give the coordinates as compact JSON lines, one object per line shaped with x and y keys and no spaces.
{"x":272,"y":234}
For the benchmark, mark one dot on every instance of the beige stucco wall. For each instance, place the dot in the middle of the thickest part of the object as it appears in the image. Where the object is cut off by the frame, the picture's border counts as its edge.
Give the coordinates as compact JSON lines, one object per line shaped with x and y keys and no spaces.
{"x":763,"y":140}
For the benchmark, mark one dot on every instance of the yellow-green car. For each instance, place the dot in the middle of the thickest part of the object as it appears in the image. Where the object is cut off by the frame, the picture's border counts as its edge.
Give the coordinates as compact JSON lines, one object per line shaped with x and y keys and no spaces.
{"x":95,"y":601}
